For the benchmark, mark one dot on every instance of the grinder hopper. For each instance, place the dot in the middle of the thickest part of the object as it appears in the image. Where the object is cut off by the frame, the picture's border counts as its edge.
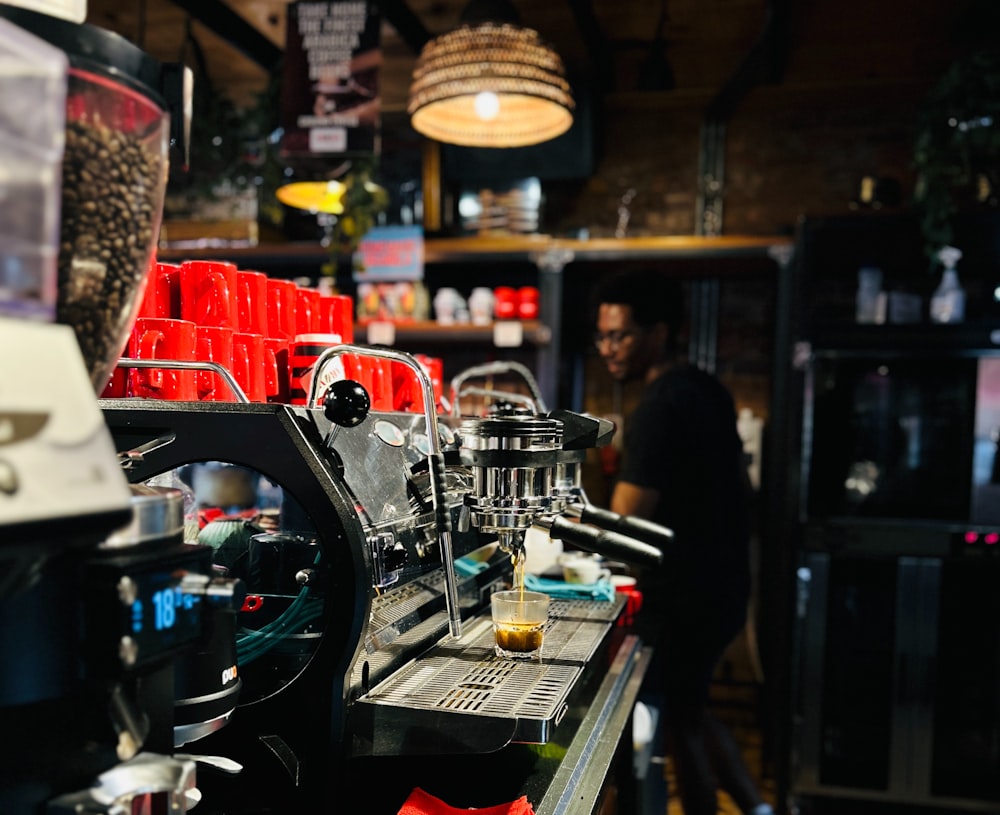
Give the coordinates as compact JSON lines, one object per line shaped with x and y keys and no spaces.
{"x":112,"y":178}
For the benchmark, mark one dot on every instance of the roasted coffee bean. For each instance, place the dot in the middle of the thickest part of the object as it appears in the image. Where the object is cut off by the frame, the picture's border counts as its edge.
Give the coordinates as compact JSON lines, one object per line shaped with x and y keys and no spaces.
{"x":112,"y":188}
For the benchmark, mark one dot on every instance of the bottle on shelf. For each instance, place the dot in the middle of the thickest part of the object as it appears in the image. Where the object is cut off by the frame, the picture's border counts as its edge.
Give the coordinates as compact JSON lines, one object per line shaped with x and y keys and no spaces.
{"x":870,"y":301}
{"x":948,"y":300}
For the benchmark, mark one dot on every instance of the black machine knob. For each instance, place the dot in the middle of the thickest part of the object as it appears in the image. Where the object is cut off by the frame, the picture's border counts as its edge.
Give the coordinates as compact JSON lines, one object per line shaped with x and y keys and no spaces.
{"x":346,"y":403}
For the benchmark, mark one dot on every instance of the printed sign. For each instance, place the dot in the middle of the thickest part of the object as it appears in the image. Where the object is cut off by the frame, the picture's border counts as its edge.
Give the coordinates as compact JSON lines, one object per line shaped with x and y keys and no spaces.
{"x":392,"y":253}
{"x":330,"y":101}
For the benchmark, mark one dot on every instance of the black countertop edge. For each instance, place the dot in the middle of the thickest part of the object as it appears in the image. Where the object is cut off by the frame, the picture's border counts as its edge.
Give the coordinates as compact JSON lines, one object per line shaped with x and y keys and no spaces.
{"x":582,"y":774}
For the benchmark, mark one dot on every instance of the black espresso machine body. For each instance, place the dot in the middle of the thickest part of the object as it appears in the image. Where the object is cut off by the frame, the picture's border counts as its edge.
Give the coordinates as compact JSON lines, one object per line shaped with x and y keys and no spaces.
{"x":356,"y":524}
{"x":366,"y":631}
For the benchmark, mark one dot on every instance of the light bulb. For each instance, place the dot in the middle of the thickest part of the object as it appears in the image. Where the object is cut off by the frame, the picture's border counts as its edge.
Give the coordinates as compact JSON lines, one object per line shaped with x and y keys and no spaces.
{"x":487,"y":105}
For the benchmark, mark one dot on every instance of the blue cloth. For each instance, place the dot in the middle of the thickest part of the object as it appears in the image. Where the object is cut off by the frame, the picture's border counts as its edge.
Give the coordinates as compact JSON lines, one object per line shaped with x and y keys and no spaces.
{"x":467,"y":567}
{"x":602,"y":590}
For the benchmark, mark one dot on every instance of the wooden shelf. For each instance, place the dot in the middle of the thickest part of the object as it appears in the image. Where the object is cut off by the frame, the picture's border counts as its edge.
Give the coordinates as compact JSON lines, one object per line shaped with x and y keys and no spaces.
{"x":533,"y":333}
{"x":530,"y":248}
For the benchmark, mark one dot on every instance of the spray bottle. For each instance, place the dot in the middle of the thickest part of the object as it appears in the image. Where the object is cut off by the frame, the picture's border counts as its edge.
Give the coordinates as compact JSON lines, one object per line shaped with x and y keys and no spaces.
{"x":948,"y":300}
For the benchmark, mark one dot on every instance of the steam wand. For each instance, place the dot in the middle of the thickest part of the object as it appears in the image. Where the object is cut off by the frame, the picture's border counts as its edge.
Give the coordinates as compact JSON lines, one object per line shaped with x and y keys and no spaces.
{"x":435,"y":462}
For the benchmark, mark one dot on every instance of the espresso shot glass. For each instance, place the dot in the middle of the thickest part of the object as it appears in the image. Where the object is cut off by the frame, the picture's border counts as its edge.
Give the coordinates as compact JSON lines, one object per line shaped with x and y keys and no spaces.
{"x":519,"y":620}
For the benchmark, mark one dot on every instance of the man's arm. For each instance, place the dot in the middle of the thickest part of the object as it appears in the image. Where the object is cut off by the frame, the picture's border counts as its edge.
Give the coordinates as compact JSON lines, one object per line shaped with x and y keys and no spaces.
{"x":631,"y":499}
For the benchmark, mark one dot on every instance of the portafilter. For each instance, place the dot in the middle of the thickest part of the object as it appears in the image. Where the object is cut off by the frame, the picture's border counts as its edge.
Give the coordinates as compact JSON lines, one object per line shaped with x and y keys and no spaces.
{"x":524,"y":473}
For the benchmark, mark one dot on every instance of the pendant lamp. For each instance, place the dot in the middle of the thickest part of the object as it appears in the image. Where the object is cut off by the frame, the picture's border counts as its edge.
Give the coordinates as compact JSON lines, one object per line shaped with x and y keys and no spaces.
{"x":313,"y":196}
{"x":490,"y":82}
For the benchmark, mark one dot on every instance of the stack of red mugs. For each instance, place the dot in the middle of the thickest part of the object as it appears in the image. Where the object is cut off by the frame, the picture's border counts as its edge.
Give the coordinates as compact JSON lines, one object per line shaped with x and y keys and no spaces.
{"x":267,"y":332}
{"x":212,"y":311}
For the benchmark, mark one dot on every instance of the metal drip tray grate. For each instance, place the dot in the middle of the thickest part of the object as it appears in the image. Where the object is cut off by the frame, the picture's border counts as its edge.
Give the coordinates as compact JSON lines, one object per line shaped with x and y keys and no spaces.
{"x":461,"y":691}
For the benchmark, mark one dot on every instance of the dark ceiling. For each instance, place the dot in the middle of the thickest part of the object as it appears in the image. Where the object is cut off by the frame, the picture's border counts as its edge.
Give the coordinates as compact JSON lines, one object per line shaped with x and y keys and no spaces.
{"x":618,"y":45}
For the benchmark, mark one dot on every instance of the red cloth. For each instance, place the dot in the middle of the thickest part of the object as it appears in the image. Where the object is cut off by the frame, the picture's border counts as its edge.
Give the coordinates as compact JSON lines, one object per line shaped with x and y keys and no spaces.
{"x":423,"y":803}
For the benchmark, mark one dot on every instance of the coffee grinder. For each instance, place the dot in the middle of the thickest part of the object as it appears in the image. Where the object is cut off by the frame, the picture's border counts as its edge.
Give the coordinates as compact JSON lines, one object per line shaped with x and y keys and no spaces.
{"x":99,"y":596}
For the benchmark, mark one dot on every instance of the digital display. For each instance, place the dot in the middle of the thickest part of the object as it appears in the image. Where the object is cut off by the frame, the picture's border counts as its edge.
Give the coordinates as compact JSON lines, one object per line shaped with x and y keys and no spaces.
{"x":163,"y":615}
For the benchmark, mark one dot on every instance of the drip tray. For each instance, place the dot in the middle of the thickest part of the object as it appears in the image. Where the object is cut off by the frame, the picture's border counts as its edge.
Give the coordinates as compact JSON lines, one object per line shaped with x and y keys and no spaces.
{"x":460,"y":697}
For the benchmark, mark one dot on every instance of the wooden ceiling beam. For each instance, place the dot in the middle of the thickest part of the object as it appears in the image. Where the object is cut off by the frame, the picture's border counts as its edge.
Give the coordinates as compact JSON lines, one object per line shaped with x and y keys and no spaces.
{"x":402,"y":18}
{"x":597,"y":44}
{"x":231,"y":27}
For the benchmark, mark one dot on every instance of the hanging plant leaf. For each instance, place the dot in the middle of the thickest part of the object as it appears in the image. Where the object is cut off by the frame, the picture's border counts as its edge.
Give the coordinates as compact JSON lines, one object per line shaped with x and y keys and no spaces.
{"x":957,"y":141}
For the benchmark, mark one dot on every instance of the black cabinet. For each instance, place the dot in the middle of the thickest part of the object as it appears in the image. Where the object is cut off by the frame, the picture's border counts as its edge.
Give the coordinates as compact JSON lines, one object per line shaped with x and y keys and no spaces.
{"x":894,"y":562}
{"x":899,"y":684}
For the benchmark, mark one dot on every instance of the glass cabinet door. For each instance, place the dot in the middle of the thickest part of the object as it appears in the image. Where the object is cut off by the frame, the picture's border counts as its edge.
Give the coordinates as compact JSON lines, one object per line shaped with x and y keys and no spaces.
{"x":856,"y":725}
{"x":847,"y":609}
{"x":966,"y":741}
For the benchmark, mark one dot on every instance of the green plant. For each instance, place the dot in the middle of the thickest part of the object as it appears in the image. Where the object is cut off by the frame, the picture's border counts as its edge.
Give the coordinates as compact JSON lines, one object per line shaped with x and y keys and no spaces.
{"x":957,"y":144}
{"x":363,"y":201}
{"x":233,"y":150}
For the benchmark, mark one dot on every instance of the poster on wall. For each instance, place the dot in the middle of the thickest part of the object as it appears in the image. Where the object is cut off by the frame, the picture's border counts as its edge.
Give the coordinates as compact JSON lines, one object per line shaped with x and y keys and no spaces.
{"x":330,"y":101}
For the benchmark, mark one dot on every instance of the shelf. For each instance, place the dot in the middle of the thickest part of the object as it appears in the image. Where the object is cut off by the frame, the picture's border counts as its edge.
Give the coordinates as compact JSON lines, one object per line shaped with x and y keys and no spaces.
{"x":533,"y":333}
{"x":605,"y":249}
{"x":931,"y":339}
{"x":530,"y":248}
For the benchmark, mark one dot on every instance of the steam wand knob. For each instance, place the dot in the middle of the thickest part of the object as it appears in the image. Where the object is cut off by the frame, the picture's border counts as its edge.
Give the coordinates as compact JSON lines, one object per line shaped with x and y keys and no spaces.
{"x":346,"y":404}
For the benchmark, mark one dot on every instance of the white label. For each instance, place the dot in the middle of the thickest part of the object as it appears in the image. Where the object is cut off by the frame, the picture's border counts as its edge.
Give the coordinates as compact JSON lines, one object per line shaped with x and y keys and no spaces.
{"x":381,"y":333}
{"x":327,"y":140}
{"x":508,"y":334}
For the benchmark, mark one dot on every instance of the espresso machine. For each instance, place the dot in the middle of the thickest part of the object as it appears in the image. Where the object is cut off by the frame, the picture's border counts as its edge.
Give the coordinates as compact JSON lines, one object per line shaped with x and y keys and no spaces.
{"x":106,"y":613}
{"x":366,"y":634}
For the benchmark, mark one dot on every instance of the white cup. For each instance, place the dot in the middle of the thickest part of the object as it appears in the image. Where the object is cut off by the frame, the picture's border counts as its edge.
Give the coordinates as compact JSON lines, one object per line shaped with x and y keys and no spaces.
{"x":586,"y":570}
{"x":541,"y":553}
{"x":447,"y":305}
{"x":481,"y":305}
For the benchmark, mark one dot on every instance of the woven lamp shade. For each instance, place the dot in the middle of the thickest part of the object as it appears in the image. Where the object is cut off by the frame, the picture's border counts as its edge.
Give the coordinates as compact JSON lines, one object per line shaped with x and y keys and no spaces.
{"x":528,"y":78}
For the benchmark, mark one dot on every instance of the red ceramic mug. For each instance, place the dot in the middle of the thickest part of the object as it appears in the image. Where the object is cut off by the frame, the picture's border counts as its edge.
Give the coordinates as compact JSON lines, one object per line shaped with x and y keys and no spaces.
{"x":303,"y":353}
{"x":208,"y":293}
{"x":166,"y":339}
{"x":374,"y":374}
{"x":251,"y":301}
{"x":162,"y":297}
{"x":434,"y":368}
{"x":408,"y":395}
{"x":405,"y":389}
{"x":214,"y":344}
{"x":278,"y":388}
{"x":250,"y":365}
{"x":281,"y":308}
{"x":336,"y":315}
{"x":527,"y":303}
{"x":117,"y":387}
{"x":505,"y":303}
{"x":307,"y":311}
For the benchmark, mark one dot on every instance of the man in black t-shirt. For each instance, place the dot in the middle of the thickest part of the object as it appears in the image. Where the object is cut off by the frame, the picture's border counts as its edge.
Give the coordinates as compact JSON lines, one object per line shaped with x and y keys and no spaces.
{"x":683,"y":468}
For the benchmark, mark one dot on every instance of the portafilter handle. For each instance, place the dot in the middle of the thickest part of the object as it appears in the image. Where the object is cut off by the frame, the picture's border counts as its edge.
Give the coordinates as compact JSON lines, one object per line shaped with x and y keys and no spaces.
{"x":611,"y":544}
{"x":632,"y":527}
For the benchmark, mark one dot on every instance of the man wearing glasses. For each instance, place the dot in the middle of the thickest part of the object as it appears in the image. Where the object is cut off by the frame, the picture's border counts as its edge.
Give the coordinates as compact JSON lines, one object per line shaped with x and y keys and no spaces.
{"x":683,"y":468}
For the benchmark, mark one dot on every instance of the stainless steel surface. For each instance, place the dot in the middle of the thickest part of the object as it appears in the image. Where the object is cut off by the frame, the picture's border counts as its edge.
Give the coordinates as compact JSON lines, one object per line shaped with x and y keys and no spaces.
{"x":135,"y":783}
{"x":184,"y":365}
{"x":434,"y":462}
{"x":505,"y":396}
{"x":513,"y":462}
{"x":157,"y":514}
{"x":478,"y":697}
{"x":492,"y":369}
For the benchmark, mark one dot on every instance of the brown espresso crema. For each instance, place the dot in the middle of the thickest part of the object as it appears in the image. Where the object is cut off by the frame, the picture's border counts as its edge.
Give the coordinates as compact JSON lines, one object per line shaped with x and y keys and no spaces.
{"x":519,"y":638}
